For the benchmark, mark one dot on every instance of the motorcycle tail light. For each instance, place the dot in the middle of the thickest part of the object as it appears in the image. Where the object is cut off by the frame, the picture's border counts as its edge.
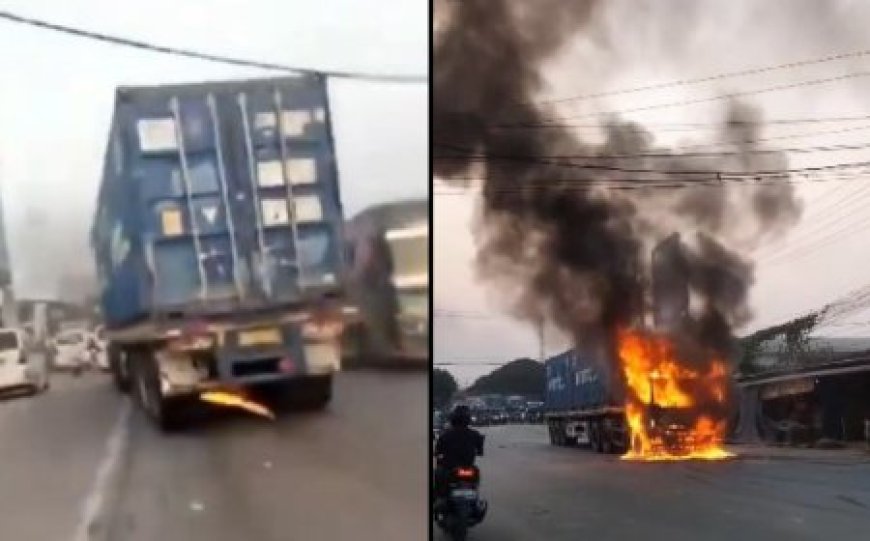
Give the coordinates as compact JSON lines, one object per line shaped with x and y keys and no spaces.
{"x":465,"y":473}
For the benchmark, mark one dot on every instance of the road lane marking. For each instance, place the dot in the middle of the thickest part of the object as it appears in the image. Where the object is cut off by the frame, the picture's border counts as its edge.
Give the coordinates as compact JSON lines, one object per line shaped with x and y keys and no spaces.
{"x":96,"y":496}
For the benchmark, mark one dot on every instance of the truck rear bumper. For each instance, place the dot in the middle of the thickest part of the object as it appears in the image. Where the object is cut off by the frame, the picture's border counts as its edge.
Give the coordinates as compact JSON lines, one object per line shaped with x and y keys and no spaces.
{"x":181,"y":375}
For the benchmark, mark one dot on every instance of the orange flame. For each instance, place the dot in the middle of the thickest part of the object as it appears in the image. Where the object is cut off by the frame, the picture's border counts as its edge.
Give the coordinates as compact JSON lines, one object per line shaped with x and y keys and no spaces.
{"x":224,"y":398}
{"x":662,"y":398}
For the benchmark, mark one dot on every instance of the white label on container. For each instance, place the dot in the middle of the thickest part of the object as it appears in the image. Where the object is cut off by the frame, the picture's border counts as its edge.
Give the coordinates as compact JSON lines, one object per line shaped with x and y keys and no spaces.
{"x":265,"y":120}
{"x":308,"y":209}
{"x":269,"y":173}
{"x":157,"y":134}
{"x":275,"y":212}
{"x":302,"y":170}
{"x":293,"y":123}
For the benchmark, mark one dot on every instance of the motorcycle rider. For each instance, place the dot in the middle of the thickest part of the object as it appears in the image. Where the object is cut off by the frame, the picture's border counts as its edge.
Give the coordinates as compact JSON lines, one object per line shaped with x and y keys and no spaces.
{"x":457,"y":447}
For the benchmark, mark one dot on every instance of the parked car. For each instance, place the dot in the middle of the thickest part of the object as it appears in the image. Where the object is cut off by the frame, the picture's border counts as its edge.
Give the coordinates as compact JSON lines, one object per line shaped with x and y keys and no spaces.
{"x":19,"y":369}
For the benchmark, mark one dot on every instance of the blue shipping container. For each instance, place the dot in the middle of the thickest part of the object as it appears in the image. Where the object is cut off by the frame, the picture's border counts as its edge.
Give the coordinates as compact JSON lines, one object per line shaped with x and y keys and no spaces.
{"x":576,"y":382}
{"x":218,"y":197}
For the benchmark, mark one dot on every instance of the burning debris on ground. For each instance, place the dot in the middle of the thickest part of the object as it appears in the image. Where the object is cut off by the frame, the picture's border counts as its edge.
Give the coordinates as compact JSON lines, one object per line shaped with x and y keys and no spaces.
{"x":573,"y":223}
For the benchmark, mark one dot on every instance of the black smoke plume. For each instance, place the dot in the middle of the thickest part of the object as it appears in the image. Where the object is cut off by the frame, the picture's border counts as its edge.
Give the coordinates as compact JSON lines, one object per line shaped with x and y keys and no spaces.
{"x":572,"y":223}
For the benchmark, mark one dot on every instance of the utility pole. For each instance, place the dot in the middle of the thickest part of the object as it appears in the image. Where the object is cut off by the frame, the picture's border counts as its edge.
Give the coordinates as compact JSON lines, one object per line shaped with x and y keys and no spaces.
{"x":541,"y":340}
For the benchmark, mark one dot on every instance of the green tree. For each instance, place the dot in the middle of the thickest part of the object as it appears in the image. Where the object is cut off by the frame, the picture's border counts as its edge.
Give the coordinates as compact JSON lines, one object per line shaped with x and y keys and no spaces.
{"x":444,"y":386}
{"x":522,"y":376}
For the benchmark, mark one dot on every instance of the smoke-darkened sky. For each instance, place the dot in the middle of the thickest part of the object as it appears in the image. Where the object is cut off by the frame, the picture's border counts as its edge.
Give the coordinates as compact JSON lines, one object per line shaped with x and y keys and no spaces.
{"x":628,"y":44}
{"x":57,"y":92}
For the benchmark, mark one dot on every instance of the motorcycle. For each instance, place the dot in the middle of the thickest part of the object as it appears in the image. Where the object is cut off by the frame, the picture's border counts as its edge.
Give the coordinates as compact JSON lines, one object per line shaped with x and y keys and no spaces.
{"x":461,"y":507}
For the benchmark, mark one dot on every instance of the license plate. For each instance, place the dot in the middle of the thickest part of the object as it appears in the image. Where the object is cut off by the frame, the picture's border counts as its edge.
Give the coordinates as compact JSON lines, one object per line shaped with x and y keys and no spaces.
{"x":260,"y":337}
{"x":464,"y":493}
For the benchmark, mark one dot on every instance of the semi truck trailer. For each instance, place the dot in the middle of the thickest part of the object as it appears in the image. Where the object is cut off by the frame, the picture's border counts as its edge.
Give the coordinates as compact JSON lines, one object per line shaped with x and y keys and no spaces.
{"x":581,"y":407}
{"x":217,"y":240}
{"x":388,"y":281}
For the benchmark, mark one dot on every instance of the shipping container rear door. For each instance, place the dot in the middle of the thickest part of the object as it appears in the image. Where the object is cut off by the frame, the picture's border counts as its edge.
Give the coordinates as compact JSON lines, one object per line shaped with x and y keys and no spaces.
{"x":191,"y":246}
{"x":241,"y":199}
{"x":289,"y":166}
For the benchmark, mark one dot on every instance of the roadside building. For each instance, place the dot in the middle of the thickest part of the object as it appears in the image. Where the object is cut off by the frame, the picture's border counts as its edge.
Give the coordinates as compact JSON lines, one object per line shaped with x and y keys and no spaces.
{"x":821,"y":394}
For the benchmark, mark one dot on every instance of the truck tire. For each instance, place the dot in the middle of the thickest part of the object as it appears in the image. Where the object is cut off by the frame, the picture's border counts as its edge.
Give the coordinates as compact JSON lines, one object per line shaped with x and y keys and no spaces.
{"x":561,"y":437}
{"x":119,"y":367}
{"x":164,"y":412}
{"x":595,"y":436}
{"x":607,"y":446}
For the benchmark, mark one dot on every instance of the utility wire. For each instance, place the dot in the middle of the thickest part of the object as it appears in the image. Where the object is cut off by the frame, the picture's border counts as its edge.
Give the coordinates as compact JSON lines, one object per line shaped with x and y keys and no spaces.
{"x":836,"y":236}
{"x":116,"y":40}
{"x":709,"y":78}
{"x":670,"y":155}
{"x":709,"y":99}
{"x":596,"y":167}
{"x":835,"y":215}
{"x":815,"y":133}
{"x":635,"y":184}
{"x":687,"y":126}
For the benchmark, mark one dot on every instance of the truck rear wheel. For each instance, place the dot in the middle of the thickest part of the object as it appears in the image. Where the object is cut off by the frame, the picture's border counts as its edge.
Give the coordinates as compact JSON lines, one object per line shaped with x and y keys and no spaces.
{"x":119,"y":367}
{"x":595,"y":436}
{"x":164,"y":412}
{"x":561,"y":436}
{"x":607,"y":444}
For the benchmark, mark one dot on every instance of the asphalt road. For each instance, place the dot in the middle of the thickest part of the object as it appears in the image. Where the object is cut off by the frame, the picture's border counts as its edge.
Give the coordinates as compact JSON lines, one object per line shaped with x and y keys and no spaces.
{"x":77,"y":463}
{"x":536,"y":491}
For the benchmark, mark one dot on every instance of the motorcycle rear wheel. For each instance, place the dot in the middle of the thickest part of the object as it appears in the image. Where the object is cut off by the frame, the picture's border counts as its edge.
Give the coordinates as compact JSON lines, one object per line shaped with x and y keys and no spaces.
{"x":459,"y":529}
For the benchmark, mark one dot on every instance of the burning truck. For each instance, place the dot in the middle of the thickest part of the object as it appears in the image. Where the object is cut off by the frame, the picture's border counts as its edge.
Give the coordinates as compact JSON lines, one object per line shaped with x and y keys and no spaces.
{"x":634,"y":391}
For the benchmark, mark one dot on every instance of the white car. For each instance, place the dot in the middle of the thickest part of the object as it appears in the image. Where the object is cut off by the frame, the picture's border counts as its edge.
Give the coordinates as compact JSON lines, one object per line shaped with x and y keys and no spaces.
{"x":20,"y":368}
{"x":71,"y":349}
{"x":101,"y":356}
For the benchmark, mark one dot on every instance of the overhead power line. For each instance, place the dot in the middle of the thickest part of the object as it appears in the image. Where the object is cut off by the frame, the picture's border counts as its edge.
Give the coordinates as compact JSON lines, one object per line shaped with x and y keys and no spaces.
{"x":801,"y":135}
{"x":688,"y":126}
{"x":672,"y":155}
{"x":825,"y":226}
{"x":710,"y":78}
{"x":725,"y":97}
{"x":137,"y":44}
{"x":640,"y":184}
{"x":708,"y":99}
{"x":469,"y":154}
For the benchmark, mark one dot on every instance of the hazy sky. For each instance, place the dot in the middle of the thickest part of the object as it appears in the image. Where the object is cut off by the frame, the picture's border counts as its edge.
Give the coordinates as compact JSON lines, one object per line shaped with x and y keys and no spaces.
{"x":57,"y":91}
{"x":642,"y":43}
